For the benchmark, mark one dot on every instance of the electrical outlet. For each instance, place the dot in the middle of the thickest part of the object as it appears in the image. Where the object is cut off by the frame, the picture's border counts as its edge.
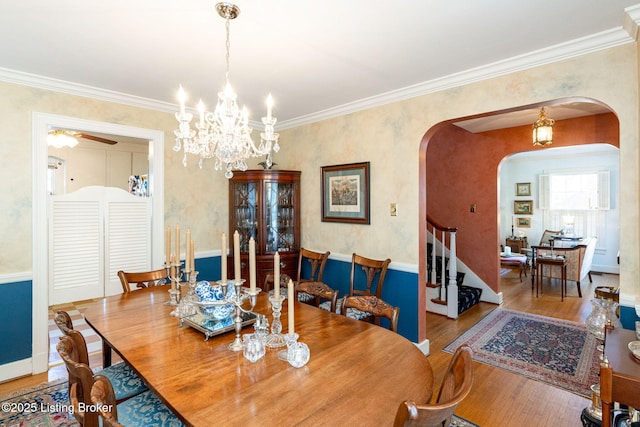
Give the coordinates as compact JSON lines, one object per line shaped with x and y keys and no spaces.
{"x":472,"y":208}
{"x":394,"y":209}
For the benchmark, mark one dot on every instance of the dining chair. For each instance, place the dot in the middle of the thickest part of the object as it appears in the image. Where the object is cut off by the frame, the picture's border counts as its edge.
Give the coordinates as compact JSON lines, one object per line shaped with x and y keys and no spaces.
{"x":127,"y":383}
{"x":141,"y":279}
{"x":310,"y":288}
{"x":144,"y":410}
{"x":455,"y":386}
{"x":373,"y":305}
{"x":148,"y":410}
{"x":366,"y":278}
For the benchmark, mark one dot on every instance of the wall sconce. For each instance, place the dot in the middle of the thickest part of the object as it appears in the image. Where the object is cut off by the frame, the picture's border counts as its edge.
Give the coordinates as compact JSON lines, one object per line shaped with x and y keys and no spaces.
{"x":543,"y":130}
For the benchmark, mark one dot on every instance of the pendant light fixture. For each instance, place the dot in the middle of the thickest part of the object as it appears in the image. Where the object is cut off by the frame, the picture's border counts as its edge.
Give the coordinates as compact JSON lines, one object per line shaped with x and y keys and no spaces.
{"x":543,"y":130}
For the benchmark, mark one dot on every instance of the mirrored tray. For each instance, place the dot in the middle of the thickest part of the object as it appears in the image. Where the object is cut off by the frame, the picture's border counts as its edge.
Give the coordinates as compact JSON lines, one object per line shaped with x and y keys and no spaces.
{"x":213,"y":327}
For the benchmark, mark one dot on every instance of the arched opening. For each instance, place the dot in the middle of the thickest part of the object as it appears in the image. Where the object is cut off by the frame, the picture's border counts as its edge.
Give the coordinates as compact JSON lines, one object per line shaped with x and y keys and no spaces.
{"x":462,"y":157}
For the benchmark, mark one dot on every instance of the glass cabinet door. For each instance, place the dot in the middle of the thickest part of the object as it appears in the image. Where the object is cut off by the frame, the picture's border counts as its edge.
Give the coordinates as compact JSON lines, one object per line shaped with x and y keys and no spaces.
{"x":245,"y":210}
{"x":279,"y":217}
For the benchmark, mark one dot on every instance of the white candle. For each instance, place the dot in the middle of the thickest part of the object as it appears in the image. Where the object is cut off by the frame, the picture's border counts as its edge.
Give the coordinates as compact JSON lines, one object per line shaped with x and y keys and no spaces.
{"x":191,"y":252}
{"x":223,"y":258}
{"x":177,"y":243}
{"x":290,"y":307}
{"x":187,"y":251}
{"x":167,"y":249}
{"x":201,"y":110}
{"x":252,"y":264}
{"x":276,"y":275}
{"x":236,"y":255}
{"x":181,"y":98}
{"x":269,"y":106}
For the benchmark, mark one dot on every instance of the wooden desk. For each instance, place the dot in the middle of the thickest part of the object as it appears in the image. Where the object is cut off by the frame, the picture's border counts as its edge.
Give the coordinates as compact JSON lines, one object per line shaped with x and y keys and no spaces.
{"x":620,"y":381}
{"x":357,"y":375}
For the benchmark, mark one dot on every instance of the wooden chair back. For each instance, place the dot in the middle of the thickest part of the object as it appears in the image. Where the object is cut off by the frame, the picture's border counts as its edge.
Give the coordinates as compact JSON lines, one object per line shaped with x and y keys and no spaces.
{"x":63,"y":321}
{"x":373,"y":279}
{"x":375,"y":306}
{"x":456,"y":385}
{"x":80,"y":381}
{"x":320,"y":291}
{"x":103,"y":396}
{"x":546,"y":236}
{"x":141,"y":279}
{"x":317,"y":260}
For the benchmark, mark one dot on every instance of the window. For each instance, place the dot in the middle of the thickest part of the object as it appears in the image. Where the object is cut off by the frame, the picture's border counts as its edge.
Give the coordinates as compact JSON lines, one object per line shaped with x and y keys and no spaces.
{"x":576,"y":202}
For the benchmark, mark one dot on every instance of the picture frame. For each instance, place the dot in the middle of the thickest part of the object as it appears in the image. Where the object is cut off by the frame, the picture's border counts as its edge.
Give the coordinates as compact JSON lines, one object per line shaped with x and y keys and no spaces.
{"x":345,"y":193}
{"x":523,"y":189}
{"x":523,"y":207}
{"x":523,"y":223}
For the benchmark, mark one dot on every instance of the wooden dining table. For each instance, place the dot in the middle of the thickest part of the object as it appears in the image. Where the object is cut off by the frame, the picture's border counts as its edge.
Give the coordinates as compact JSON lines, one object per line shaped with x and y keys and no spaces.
{"x":358,"y":373}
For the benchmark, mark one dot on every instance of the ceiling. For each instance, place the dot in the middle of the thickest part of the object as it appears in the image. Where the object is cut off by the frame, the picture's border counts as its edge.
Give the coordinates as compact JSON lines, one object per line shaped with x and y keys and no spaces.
{"x":319,"y":59}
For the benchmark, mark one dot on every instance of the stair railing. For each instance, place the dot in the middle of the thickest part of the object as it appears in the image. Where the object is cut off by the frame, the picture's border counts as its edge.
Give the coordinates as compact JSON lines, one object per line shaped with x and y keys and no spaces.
{"x":448,"y":291}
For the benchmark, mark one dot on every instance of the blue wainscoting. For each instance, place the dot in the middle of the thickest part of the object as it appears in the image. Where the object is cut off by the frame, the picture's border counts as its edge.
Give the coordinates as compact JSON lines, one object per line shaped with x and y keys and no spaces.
{"x":628,"y":317}
{"x":15,"y":318}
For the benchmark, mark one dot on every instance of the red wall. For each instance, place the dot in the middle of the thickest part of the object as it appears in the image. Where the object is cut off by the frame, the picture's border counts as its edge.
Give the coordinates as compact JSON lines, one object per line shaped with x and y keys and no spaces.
{"x":462,"y":169}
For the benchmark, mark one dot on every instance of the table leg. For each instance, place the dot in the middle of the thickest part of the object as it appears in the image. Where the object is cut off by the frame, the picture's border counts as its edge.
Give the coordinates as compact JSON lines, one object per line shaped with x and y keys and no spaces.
{"x":106,"y":355}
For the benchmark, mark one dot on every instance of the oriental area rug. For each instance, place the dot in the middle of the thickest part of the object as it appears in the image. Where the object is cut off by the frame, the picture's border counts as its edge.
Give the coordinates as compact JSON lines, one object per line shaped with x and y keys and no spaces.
{"x":557,"y":352}
{"x":47,"y":405}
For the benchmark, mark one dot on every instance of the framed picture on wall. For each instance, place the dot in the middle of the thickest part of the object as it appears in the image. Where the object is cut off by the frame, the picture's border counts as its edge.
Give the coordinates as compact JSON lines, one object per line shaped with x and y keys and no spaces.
{"x":523,"y":189}
{"x":345,"y":193}
{"x":523,"y":207}
{"x":524,"y":223}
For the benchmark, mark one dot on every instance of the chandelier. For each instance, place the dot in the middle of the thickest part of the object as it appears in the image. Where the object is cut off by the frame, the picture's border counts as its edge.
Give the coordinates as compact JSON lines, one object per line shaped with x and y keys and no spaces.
{"x":543,"y":130}
{"x":224,"y":133}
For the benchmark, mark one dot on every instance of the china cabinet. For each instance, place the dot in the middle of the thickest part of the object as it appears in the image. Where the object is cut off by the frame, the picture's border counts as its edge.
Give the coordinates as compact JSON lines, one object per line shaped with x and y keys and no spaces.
{"x":265,"y":205}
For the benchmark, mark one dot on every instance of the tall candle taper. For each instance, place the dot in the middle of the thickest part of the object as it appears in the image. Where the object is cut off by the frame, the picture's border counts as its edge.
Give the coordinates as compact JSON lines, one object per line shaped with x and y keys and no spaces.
{"x":276,"y":275}
{"x":252,"y":264}
{"x":223,"y":258}
{"x":167,"y":249}
{"x":177,"y":243}
{"x":290,"y":306}
{"x":187,"y":252}
{"x":191,"y":252}
{"x":236,"y":255}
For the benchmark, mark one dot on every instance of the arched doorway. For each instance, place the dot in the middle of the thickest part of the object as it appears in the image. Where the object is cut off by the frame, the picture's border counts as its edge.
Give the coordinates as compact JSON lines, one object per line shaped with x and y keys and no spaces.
{"x":459,"y":163}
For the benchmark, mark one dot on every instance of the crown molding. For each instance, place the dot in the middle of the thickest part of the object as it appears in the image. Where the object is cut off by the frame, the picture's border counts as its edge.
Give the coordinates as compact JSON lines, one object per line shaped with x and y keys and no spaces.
{"x":581,"y":46}
{"x":593,"y":43}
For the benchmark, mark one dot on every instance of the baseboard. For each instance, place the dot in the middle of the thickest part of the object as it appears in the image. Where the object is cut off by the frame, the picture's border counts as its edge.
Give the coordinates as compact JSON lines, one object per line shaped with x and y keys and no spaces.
{"x":423,"y":347}
{"x":12,"y":370}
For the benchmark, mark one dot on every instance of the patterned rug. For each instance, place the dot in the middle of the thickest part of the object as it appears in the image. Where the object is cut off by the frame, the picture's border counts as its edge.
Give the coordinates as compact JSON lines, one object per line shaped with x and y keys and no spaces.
{"x":557,"y":352}
{"x":43,"y":405}
{"x":46,"y":406}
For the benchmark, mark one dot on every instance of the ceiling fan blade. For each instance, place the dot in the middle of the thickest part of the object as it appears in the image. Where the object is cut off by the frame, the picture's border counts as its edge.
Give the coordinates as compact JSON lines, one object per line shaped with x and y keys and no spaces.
{"x":96,"y":138}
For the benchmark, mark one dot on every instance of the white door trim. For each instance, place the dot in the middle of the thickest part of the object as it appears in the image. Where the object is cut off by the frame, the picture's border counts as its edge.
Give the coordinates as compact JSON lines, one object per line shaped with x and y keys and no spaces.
{"x":41,"y":122}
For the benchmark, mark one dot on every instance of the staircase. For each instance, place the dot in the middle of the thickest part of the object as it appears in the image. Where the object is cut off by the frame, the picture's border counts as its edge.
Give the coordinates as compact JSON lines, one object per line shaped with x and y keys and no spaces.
{"x":452,"y":294}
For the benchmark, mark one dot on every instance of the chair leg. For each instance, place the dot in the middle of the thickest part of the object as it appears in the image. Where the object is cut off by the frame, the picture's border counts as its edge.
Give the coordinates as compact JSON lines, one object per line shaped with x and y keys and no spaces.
{"x":579,"y":291}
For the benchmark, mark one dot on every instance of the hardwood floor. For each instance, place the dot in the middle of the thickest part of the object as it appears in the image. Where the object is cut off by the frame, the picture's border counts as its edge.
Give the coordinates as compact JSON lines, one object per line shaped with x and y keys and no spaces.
{"x":498,"y":397}
{"x":501,"y":398}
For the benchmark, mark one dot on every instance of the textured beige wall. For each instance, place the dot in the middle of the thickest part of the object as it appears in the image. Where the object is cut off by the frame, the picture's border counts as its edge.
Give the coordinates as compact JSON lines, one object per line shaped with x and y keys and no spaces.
{"x":389,"y":137}
{"x":195,"y":198}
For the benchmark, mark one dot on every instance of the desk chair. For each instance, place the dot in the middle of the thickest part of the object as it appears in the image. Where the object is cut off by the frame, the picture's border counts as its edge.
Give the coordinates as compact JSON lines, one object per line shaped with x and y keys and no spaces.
{"x":374,"y":306}
{"x":127,"y":383}
{"x":147,"y":408}
{"x":456,"y":385}
{"x":141,"y":279}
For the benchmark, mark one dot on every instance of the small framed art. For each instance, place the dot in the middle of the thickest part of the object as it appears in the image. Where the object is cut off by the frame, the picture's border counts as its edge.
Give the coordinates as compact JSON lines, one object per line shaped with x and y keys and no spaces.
{"x":523,"y":189}
{"x":523,"y":223}
{"x":523,"y":207}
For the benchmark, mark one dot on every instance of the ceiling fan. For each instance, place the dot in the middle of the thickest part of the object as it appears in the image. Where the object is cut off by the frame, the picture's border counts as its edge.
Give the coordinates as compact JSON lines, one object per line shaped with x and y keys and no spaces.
{"x":66,"y":138}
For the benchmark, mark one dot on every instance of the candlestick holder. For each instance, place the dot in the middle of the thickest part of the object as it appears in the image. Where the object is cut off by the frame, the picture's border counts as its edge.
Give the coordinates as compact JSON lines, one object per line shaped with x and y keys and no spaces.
{"x":186,"y":305}
{"x":174,"y":292}
{"x":275,"y":339}
{"x":241,"y":295}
